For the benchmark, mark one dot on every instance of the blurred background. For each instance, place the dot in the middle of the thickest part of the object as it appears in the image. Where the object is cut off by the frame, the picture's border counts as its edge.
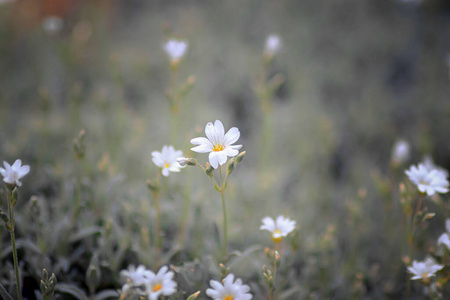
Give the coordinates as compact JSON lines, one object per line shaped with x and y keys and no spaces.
{"x":353,"y":77}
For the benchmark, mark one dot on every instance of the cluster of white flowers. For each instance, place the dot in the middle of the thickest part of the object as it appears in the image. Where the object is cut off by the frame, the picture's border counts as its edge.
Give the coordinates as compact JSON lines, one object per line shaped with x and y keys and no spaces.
{"x":429,"y":179}
{"x":425,"y":269}
{"x":175,"y":49}
{"x":167,"y":160}
{"x":147,"y":284}
{"x":229,"y":290}
{"x":279,"y":228}
{"x":13,"y":174}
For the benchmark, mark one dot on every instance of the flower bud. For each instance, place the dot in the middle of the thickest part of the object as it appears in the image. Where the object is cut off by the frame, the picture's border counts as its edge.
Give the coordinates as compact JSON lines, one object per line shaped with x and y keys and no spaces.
{"x":152,"y":186}
{"x":240,"y":156}
{"x":209,"y":170}
{"x":230,"y":166}
{"x":193,"y":296}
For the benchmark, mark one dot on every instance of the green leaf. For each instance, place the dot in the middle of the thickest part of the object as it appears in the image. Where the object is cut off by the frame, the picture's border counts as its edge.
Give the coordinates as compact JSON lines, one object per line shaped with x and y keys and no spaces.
{"x":71,"y":290}
{"x":106,"y":294}
{"x":83,"y":233}
{"x":4,"y":293}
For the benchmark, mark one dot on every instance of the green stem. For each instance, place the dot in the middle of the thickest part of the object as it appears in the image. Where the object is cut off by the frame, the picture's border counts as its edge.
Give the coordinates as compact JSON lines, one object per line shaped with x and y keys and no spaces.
{"x":13,"y":241}
{"x":224,"y":210}
{"x":157,"y":227}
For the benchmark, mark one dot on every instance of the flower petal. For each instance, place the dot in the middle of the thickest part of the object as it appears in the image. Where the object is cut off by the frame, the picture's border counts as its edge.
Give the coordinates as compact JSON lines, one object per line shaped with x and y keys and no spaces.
{"x":232,"y":136}
{"x":214,"y":159}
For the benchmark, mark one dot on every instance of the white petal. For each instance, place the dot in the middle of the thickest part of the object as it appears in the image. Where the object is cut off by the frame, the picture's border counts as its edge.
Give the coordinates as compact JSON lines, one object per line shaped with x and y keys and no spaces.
{"x":24,"y":170}
{"x":214,"y":159}
{"x":230,"y":151}
{"x":165,"y":172}
{"x":17,"y":164}
{"x":210,"y":132}
{"x":202,"y":149}
{"x":219,"y":128}
{"x":232,"y":136}
{"x":222,"y":155}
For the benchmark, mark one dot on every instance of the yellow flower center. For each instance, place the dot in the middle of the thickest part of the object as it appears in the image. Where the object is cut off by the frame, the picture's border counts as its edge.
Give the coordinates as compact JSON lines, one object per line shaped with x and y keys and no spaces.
{"x":218,"y":147}
{"x":277,"y":239}
{"x":157,"y":287}
{"x":425,"y":275}
{"x":167,"y":165}
{"x":228,"y":297}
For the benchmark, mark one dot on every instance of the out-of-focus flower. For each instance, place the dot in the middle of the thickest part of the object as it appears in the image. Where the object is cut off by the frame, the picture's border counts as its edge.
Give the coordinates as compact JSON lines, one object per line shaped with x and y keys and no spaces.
{"x":52,"y":24}
{"x":161,"y":284}
{"x":401,"y":151}
{"x":146,"y":283}
{"x":175,"y":49}
{"x":428,"y":181}
{"x":273,"y":44}
{"x":279,"y":228}
{"x":218,"y":144}
{"x":13,"y":174}
{"x":135,"y":278}
{"x":229,"y":290}
{"x":444,"y":239}
{"x":430,"y":165}
{"x":167,"y":160}
{"x":425,"y":269}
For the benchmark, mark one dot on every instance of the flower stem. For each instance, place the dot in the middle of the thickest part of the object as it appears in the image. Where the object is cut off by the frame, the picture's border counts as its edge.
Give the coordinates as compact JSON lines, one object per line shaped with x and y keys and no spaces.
{"x":13,"y":240}
{"x":157,"y":227}
{"x":224,"y":210}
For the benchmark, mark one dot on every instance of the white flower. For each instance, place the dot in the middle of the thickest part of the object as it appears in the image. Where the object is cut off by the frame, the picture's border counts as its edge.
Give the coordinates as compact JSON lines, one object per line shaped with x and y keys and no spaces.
{"x":135,"y":278}
{"x":273,"y":44}
{"x":401,"y":151}
{"x":218,"y":144}
{"x":422,"y":270}
{"x":167,"y":160}
{"x":146,"y":283}
{"x":444,"y":239}
{"x":12,"y":174}
{"x":175,"y":49}
{"x":279,"y":228}
{"x":52,"y":24}
{"x":429,"y":181}
{"x":229,"y":290}
{"x":161,"y":284}
{"x":429,"y":163}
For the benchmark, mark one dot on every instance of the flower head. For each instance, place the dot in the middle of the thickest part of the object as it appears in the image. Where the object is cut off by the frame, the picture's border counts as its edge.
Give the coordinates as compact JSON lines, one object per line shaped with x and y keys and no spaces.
{"x":52,"y":24}
{"x":146,"y":283}
{"x":229,"y":290}
{"x":273,"y":44}
{"x":429,"y":181}
{"x":167,"y":160}
{"x":161,"y":283}
{"x":401,"y":151}
{"x":12,"y":174}
{"x":218,"y":144}
{"x":425,"y":269}
{"x":175,"y":49}
{"x":279,"y":228}
{"x":429,"y":163}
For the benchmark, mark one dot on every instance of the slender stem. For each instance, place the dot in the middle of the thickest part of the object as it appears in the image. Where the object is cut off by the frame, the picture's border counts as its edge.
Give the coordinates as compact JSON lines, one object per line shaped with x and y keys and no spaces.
{"x":157,"y":227}
{"x":13,"y":241}
{"x":173,"y":103}
{"x":224,"y":210}
{"x":272,"y":292}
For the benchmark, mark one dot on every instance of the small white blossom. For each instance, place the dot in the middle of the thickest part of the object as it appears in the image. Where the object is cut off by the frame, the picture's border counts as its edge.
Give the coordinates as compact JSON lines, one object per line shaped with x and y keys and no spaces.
{"x":444,"y":239}
{"x":161,"y":283}
{"x":425,"y":269}
{"x":279,"y":228}
{"x":229,"y":290}
{"x":430,"y":165}
{"x":167,"y":160}
{"x":429,"y":181}
{"x":52,"y":24}
{"x":273,"y":44}
{"x":218,"y":144}
{"x":146,"y":283}
{"x":175,"y":49}
{"x":401,"y":151}
{"x":12,"y":174}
